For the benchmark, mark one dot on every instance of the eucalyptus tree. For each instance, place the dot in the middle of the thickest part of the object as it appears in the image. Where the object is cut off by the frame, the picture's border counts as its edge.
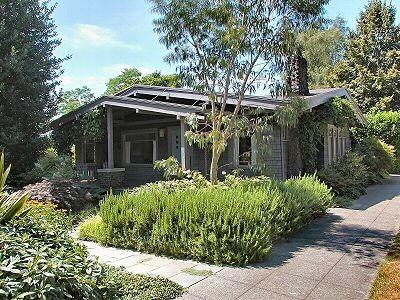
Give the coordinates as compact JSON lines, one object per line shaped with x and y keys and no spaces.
{"x":230,"y":47}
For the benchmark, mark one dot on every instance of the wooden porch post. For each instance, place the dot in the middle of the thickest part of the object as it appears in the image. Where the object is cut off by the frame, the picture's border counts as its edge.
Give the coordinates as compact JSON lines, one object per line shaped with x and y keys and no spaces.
{"x":183,"y":144}
{"x":110,"y":138}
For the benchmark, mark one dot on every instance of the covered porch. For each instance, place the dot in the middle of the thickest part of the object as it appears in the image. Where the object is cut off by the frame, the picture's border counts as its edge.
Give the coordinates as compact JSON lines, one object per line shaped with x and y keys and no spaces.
{"x":139,"y":132}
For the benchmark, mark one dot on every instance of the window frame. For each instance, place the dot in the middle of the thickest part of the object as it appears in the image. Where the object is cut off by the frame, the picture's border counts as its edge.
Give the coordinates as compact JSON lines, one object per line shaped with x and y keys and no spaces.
{"x":84,"y":156}
{"x":126,"y":150}
{"x":236,"y":153}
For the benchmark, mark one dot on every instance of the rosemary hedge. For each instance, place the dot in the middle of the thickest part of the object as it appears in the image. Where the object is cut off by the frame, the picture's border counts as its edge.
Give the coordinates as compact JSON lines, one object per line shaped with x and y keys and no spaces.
{"x":232,"y":223}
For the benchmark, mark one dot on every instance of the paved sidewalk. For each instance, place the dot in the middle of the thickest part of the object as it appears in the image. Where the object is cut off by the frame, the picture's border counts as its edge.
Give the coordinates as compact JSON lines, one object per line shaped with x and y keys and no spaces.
{"x":336,"y":257}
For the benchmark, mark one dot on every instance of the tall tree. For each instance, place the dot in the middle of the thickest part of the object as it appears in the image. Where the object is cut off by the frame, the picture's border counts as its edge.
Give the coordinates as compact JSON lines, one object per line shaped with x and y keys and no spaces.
{"x":371,"y":68}
{"x":28,"y":77}
{"x":73,"y":99}
{"x":132,"y":76}
{"x":323,"y":48}
{"x":224,"y":48}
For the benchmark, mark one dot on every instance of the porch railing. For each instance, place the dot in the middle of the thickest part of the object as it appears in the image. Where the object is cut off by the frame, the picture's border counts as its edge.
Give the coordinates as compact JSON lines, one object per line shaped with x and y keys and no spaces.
{"x":87,"y":171}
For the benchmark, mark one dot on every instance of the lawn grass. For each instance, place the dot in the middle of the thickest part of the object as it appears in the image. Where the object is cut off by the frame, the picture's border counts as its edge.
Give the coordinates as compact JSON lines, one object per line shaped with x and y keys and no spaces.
{"x":387,"y":283}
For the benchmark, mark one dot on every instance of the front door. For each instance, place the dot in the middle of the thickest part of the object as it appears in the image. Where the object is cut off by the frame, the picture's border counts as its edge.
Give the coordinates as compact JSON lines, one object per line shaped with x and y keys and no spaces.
{"x":175,"y":142}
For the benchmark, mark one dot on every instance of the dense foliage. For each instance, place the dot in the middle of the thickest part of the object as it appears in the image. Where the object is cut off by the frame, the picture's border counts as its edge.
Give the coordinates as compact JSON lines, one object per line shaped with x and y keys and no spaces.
{"x":370,"y":162}
{"x":312,"y":125}
{"x":133,"y":76}
{"x":323,"y":48}
{"x":91,"y":126}
{"x":386,"y":125}
{"x":234,"y":222}
{"x":52,"y":165}
{"x":347,"y":177}
{"x":370,"y":69}
{"x":73,"y":99}
{"x":378,"y":157}
{"x":39,"y":260}
{"x":28,"y":78}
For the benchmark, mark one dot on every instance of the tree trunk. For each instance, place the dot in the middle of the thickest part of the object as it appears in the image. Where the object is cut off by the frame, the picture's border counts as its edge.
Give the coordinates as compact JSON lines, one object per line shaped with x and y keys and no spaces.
{"x":214,"y":165}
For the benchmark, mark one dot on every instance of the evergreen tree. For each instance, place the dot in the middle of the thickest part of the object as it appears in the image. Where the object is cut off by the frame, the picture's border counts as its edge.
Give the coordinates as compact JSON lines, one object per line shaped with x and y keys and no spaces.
{"x":371,"y":68}
{"x":28,"y":78}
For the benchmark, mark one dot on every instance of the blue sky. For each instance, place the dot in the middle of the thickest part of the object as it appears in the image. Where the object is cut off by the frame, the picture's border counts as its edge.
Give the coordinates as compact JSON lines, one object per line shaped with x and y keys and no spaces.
{"x":104,"y":37}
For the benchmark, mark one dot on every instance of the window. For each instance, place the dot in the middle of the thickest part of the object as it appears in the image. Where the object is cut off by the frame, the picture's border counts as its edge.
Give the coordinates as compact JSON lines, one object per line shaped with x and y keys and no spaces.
{"x":331,"y":145}
{"x":285,"y":133}
{"x":89,"y":152}
{"x":140,"y":148}
{"x":245,"y":151}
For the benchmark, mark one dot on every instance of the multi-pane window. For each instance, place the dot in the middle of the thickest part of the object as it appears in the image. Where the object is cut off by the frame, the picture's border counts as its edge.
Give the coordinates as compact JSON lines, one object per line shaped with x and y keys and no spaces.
{"x":140,"y":148}
{"x":336,"y":143}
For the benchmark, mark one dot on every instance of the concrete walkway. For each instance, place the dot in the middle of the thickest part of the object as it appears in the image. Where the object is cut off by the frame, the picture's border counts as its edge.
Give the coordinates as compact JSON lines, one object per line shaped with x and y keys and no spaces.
{"x":336,"y":257}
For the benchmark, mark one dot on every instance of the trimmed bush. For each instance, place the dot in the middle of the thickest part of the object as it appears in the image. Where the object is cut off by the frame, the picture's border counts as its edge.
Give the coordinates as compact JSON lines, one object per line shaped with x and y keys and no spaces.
{"x":93,"y":229}
{"x":347,"y":177}
{"x":235,"y":222}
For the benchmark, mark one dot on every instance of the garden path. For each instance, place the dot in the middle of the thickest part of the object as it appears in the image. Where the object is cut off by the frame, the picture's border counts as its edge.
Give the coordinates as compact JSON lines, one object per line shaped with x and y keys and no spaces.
{"x":336,"y":257}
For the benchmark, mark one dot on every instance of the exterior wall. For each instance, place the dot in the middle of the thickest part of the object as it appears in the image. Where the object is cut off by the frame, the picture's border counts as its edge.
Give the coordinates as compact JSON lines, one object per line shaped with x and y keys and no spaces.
{"x":114,"y":178}
{"x":228,"y":163}
{"x":277,"y":159}
{"x":137,"y":174}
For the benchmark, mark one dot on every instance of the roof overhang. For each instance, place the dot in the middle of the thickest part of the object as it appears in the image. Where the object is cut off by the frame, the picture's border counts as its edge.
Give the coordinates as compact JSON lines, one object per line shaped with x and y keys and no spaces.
{"x":268,"y":103}
{"x":320,"y":97}
{"x":179,"y":110}
{"x":127,"y":99}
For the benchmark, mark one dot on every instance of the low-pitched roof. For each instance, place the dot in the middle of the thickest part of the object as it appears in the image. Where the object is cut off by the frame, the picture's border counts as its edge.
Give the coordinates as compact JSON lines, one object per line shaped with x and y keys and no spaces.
{"x":128,"y":99}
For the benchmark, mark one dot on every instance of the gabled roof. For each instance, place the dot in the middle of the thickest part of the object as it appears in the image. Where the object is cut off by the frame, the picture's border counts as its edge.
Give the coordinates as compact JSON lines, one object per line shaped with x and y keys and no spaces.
{"x":132,"y":103}
{"x":163,"y":98}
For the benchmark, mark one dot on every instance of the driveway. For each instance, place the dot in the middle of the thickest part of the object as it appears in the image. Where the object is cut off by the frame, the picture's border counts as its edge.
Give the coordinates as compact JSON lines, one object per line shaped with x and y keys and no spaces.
{"x":335,"y":257}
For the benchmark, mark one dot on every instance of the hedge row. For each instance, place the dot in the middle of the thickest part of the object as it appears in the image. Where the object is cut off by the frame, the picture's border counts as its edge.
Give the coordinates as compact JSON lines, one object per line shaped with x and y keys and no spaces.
{"x":231,"y":223}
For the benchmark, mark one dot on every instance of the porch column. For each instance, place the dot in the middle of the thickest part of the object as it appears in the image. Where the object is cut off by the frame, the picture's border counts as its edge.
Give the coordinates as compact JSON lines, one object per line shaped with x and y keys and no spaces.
{"x":183,"y":144}
{"x":110,"y":139}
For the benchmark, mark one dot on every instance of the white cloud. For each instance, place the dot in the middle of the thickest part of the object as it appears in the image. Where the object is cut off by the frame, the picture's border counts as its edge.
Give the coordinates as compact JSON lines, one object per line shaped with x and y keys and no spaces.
{"x":97,"y":84}
{"x":93,"y":35}
{"x":146,"y":70}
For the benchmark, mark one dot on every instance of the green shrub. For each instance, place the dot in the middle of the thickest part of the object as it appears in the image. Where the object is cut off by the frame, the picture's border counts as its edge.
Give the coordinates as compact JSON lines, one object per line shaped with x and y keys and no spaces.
{"x":386,"y":126}
{"x":347,"y":177}
{"x":235,"y":222}
{"x":378,"y":157}
{"x":53,"y":165}
{"x":92,"y":229}
{"x":10,"y":205}
{"x":39,"y":260}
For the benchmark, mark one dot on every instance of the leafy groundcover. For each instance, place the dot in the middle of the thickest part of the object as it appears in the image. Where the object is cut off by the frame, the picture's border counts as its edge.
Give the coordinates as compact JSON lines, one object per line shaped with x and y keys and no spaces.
{"x":39,"y":260}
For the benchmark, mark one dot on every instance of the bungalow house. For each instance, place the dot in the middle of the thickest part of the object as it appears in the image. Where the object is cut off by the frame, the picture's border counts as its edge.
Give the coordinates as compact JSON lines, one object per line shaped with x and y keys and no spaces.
{"x":147,"y":123}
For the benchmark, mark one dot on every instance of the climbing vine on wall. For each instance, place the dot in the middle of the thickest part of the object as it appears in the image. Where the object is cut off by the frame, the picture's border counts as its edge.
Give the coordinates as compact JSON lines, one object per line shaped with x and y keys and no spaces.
{"x":91,"y":126}
{"x":338,"y":112}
